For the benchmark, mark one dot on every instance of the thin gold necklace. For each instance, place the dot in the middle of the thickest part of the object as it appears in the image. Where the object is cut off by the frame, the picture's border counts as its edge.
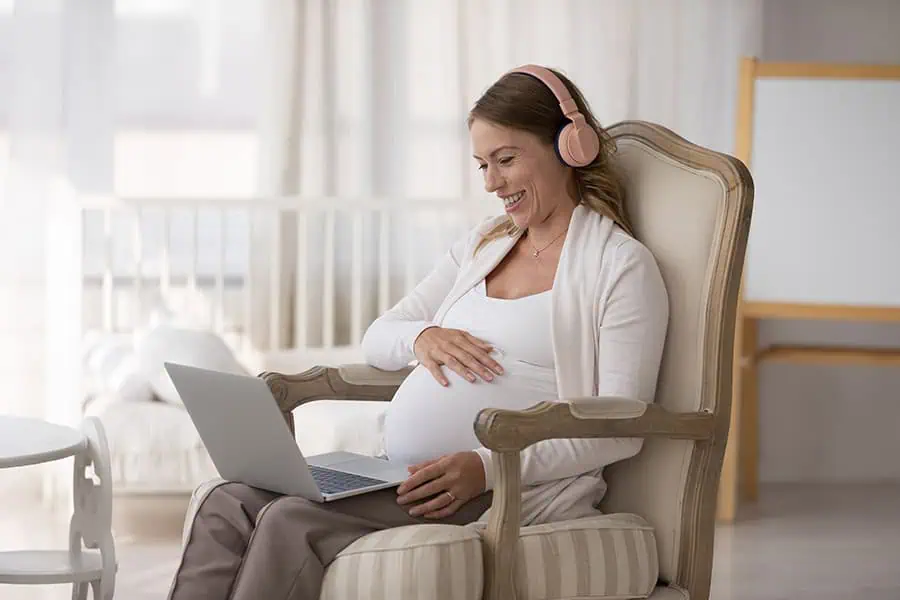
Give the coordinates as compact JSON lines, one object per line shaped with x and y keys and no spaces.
{"x":537,"y":252}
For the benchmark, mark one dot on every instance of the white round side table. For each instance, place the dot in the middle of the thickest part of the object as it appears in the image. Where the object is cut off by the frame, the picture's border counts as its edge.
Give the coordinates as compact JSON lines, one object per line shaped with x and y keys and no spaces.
{"x":91,"y":558}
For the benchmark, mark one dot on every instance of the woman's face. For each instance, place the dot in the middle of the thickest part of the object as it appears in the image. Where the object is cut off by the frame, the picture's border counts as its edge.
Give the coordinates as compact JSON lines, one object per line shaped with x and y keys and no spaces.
{"x":524,"y":172}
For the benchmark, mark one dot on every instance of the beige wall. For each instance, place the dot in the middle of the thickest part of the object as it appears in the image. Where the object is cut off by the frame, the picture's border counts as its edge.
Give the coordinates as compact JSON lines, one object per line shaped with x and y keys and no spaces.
{"x":832,"y":30}
{"x":831,"y":423}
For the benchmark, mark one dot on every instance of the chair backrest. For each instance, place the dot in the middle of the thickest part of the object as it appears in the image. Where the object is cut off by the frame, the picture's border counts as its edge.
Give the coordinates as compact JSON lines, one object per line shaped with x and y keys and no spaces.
{"x":691,"y":207}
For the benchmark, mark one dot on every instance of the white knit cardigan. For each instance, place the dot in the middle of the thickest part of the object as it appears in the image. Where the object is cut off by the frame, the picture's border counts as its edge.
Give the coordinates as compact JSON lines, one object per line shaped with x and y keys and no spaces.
{"x":609,"y":315}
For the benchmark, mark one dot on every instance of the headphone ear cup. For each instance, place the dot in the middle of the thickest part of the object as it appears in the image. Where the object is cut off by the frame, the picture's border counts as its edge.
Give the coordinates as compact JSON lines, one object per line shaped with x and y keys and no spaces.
{"x":577,"y":146}
{"x":558,"y":145}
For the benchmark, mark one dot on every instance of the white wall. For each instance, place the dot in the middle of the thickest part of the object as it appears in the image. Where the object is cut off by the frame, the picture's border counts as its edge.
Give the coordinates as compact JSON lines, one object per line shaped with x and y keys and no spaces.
{"x":822,"y":423}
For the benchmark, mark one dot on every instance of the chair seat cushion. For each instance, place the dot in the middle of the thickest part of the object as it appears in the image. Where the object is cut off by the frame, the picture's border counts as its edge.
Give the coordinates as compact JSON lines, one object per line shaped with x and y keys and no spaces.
{"x":415,"y":562}
{"x":607,"y":556}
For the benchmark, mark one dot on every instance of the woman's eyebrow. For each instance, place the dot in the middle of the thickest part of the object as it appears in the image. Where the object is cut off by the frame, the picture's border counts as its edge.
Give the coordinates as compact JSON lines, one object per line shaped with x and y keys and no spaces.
{"x":497,"y":150}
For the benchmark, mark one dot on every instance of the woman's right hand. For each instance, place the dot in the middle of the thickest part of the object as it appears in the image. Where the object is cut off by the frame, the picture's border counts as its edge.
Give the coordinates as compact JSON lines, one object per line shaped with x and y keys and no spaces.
{"x":457,"y":349}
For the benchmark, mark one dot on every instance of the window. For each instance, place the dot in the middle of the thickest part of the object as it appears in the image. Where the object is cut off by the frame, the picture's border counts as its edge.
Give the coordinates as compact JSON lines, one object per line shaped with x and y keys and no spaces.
{"x":151,"y":8}
{"x":185,"y":162}
{"x":185,"y":95}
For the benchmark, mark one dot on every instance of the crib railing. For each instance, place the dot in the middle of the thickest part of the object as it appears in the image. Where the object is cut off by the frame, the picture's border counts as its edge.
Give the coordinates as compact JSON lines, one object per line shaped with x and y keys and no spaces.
{"x":267,"y":274}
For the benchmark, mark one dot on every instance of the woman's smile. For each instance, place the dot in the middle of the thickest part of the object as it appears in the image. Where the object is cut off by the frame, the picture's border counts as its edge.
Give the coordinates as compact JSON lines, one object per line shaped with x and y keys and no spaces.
{"x":514,"y":202}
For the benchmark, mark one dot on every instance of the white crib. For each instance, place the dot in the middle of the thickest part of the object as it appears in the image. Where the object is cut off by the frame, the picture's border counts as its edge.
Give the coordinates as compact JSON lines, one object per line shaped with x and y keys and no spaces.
{"x":286,"y":283}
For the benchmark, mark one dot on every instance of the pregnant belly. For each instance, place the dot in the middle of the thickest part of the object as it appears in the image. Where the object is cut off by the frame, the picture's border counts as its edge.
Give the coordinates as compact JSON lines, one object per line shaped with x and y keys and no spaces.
{"x":426,"y":420}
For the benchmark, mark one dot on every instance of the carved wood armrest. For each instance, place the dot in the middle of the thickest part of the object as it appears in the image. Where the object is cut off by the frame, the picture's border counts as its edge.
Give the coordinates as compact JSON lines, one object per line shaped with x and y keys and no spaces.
{"x":507,"y":432}
{"x":347,"y":382}
{"x":513,"y":430}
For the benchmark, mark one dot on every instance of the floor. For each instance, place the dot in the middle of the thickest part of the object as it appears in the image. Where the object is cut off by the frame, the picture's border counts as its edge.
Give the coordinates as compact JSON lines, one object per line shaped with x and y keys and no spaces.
{"x":798,"y":543}
{"x":812,"y":543}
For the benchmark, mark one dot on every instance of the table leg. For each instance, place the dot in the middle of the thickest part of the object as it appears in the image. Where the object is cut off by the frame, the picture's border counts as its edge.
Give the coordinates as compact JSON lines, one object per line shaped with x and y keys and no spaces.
{"x":91,"y":522}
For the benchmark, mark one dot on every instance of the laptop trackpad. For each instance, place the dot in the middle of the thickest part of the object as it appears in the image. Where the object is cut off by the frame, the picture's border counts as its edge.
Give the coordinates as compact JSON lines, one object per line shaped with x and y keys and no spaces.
{"x":361,"y":465}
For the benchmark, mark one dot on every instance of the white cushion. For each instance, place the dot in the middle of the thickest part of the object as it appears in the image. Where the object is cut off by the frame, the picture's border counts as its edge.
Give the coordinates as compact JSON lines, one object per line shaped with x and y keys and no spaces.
{"x":608,"y":556}
{"x":112,"y":368}
{"x":416,"y":562}
{"x":192,"y":347}
{"x":128,"y":382}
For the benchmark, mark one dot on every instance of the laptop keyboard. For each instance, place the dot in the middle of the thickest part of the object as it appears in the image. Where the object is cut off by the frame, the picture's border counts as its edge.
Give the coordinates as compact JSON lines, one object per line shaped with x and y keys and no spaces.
{"x":333,"y":482}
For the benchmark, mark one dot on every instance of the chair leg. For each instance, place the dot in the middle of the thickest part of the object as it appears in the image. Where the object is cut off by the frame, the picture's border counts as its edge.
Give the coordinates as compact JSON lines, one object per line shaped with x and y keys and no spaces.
{"x":726,"y":506}
{"x":749,"y":407}
{"x":79,"y":591}
{"x":95,"y":591}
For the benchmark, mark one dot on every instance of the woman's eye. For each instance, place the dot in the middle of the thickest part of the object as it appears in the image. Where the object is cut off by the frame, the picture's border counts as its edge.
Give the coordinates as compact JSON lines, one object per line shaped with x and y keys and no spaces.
{"x":501,"y":161}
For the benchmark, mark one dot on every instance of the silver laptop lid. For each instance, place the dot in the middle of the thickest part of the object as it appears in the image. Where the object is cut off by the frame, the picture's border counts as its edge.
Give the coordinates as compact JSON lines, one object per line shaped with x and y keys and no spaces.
{"x":243,"y":429}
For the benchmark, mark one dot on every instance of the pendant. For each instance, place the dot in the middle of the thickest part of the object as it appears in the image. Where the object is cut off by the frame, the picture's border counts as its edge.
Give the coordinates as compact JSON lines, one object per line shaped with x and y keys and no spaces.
{"x":535,"y":253}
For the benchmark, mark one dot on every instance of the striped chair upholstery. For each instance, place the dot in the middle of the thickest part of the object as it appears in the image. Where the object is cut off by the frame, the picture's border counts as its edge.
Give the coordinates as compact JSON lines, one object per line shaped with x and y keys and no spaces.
{"x":415,"y":562}
{"x":608,"y":556}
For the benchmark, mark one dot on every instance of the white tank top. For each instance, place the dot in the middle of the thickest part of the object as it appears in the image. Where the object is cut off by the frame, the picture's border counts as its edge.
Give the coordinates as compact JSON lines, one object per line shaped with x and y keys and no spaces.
{"x":426,"y":420}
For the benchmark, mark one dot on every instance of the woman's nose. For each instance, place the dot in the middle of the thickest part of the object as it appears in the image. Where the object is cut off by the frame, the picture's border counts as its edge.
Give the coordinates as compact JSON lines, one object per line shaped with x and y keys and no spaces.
{"x":492,"y":181}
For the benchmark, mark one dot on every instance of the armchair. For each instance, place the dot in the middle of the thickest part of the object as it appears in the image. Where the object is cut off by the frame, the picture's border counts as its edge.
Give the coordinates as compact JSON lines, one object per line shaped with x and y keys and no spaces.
{"x":691,"y":206}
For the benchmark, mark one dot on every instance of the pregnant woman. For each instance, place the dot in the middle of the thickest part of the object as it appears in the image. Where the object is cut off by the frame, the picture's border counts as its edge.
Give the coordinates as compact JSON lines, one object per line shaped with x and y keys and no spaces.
{"x":555,"y":299}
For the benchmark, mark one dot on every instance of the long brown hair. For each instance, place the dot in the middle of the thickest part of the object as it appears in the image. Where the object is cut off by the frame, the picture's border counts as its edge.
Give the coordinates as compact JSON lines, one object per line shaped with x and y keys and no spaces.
{"x":522,"y":102}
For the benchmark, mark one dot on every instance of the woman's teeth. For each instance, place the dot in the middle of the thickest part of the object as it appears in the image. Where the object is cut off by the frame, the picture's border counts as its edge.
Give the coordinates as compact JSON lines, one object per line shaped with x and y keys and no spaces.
{"x":511,"y":201}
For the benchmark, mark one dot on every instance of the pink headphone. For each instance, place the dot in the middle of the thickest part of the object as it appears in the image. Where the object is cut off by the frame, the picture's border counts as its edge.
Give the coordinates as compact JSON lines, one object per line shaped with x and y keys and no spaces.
{"x":576,"y":143}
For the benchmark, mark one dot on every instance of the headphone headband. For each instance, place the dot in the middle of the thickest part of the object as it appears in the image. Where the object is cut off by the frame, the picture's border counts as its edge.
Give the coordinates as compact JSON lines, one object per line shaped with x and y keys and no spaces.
{"x":576,"y":143}
{"x":559,"y":89}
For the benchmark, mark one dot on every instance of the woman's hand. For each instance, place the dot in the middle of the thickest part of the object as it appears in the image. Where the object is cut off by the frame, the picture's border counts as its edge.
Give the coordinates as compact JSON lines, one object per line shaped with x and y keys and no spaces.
{"x":462,"y":352}
{"x":461,"y":474}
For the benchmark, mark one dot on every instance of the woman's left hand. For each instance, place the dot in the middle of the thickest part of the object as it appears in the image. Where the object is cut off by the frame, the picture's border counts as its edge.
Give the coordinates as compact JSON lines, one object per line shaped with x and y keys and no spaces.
{"x":461,"y":474}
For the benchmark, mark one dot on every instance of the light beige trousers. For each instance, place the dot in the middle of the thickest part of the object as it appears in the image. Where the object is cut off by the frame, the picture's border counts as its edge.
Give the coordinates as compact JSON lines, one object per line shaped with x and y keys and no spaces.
{"x":246,"y":543}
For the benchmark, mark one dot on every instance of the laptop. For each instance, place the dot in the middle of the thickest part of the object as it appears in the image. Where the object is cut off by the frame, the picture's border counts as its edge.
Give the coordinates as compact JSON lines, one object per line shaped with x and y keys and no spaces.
{"x":249,"y":441}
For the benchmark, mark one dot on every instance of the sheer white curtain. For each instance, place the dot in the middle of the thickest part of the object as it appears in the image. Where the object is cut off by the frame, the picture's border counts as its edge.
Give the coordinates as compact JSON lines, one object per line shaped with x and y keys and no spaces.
{"x":147,"y":98}
{"x":370,"y":98}
{"x":36,"y":157}
{"x":378,"y":91}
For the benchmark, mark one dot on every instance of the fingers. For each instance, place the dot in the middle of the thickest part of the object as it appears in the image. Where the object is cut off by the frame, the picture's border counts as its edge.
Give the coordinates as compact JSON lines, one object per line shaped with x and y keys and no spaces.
{"x":457,"y":366}
{"x":439,"y":506}
{"x":427,"y":490}
{"x":435,"y":369}
{"x":477,"y":342}
{"x":481,"y":350}
{"x":462,"y":352}
{"x":465,"y":355}
{"x":462,"y":362}
{"x":462,"y":474}
{"x":413,"y":468}
{"x":446,"y":511}
{"x":423,"y":475}
{"x":479,"y":361}
{"x":491,"y":363}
